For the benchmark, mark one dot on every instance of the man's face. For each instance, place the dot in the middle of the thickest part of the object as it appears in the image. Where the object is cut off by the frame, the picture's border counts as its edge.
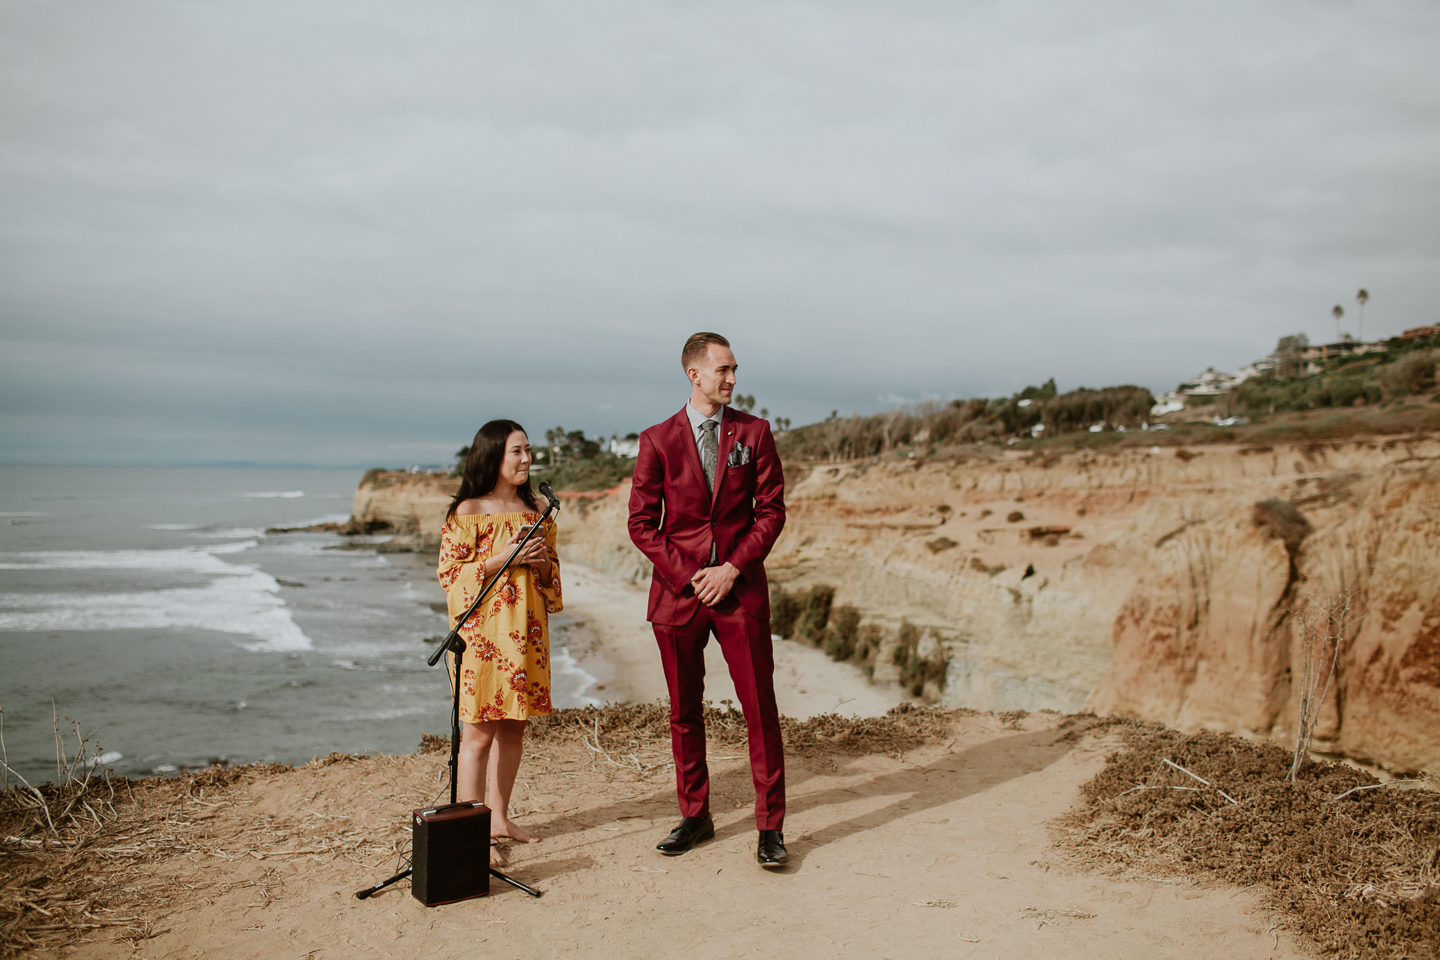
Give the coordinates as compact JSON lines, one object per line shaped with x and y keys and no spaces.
{"x":714,"y":376}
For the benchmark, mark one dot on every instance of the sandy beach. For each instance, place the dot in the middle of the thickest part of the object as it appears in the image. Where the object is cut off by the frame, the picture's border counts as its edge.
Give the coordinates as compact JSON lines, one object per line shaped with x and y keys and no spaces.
{"x":609,"y":638}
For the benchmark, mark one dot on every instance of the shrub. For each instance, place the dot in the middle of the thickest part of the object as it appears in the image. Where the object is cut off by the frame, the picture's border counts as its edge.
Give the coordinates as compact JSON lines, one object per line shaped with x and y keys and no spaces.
{"x":843,"y":632}
{"x":917,"y":670}
{"x":1414,"y":373}
{"x":810,"y":616}
{"x":967,"y":421}
{"x":784,"y":611}
{"x":867,"y":647}
{"x":596,"y":473}
{"x":1123,"y":406}
{"x":815,"y":615}
{"x":905,"y":643}
{"x":1283,"y":521}
{"x":802,"y":615}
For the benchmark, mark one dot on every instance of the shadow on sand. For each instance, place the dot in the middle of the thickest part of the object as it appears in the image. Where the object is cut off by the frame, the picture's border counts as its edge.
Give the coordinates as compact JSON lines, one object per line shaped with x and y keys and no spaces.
{"x":948,"y":778}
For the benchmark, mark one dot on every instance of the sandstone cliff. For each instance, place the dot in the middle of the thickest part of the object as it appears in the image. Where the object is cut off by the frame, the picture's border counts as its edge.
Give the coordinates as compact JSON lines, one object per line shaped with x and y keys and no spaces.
{"x":1136,"y":582}
{"x":1208,"y":637}
{"x":412,"y":506}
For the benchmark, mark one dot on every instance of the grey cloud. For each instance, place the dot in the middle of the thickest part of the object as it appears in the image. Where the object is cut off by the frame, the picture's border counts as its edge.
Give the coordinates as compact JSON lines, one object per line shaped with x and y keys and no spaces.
{"x":339,"y":228}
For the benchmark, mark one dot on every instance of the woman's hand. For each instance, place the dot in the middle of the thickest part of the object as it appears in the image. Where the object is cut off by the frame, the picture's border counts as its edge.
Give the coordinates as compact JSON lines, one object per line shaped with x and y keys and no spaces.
{"x":534,"y":553}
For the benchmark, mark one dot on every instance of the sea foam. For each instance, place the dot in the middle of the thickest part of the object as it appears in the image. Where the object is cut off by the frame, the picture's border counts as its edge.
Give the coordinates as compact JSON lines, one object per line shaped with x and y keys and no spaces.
{"x":567,"y":675}
{"x":240,"y":599}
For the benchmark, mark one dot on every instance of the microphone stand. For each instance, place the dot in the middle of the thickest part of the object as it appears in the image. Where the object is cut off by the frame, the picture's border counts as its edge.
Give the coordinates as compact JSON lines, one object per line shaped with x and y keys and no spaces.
{"x":455,"y":644}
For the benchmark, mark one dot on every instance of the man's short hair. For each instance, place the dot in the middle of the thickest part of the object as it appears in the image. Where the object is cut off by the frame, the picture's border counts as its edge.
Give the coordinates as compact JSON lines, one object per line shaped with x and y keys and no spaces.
{"x":698,"y":346}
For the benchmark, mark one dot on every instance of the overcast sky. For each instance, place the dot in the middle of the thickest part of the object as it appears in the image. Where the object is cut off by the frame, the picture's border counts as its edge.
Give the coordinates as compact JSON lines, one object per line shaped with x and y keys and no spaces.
{"x":349,"y":233}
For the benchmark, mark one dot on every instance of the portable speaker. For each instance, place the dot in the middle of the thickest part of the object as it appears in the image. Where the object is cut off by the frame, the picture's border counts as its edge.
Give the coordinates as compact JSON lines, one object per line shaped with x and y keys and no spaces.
{"x":450,"y":853}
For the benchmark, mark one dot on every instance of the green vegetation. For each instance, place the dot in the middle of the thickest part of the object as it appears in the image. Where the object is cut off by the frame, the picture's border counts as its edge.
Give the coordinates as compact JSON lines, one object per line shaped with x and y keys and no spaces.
{"x":1349,"y":381}
{"x":1386,"y":392}
{"x":1379,"y":393}
{"x":569,"y":460}
{"x":968,"y":421}
{"x":572,"y":461}
{"x":595,"y":473}
{"x":561,"y":446}
{"x":811,"y":617}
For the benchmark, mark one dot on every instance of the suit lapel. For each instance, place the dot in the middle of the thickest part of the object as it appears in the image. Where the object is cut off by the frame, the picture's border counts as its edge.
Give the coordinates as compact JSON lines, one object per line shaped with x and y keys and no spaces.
{"x":692,"y":454}
{"x":722,"y":458}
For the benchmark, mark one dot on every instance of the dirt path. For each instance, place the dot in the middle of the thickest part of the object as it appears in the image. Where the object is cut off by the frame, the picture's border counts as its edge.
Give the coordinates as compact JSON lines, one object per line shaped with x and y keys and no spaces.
{"x":942,"y":852}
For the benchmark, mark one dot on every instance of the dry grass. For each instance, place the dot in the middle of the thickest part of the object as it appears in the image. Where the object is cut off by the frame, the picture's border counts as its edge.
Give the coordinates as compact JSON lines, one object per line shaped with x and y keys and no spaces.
{"x":99,"y":873}
{"x":82,"y":858}
{"x":1358,"y":872}
{"x":903,"y":728}
{"x":77,"y":858}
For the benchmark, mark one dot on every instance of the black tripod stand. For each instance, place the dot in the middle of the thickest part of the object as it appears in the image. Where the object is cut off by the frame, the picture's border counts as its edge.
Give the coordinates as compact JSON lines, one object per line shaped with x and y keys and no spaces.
{"x":455,"y":644}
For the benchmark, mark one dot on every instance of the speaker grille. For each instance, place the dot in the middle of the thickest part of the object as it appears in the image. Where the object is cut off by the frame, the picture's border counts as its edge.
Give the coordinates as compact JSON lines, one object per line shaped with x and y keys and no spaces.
{"x":451,"y":853}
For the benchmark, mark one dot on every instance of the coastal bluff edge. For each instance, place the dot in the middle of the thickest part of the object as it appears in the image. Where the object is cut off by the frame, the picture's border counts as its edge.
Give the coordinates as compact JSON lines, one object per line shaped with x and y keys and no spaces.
{"x":1162,"y":585}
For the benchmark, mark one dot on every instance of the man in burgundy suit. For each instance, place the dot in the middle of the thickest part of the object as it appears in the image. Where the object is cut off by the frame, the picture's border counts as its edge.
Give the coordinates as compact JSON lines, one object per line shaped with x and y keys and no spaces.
{"x":707,"y":504}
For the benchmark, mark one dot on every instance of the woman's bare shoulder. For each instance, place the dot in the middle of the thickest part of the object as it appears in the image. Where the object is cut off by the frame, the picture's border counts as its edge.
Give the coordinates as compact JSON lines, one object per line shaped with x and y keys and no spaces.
{"x":485,"y":506}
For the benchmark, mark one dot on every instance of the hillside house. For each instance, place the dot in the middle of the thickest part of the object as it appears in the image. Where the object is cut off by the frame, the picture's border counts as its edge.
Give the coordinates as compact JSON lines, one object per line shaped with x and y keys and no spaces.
{"x":1421,"y":333}
{"x":1211,"y":383}
{"x":1341,"y":348}
{"x":629,"y":447}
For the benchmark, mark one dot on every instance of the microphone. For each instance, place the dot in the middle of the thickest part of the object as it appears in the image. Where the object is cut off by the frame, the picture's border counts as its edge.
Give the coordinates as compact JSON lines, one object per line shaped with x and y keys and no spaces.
{"x":548,"y":493}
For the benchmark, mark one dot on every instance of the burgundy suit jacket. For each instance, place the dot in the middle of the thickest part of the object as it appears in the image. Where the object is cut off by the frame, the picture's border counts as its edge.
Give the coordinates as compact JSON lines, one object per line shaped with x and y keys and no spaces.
{"x":673,"y":519}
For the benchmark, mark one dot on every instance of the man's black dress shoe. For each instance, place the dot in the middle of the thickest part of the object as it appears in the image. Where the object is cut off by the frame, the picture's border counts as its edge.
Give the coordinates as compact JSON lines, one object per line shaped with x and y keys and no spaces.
{"x":770,"y":851}
{"x":692,"y":830}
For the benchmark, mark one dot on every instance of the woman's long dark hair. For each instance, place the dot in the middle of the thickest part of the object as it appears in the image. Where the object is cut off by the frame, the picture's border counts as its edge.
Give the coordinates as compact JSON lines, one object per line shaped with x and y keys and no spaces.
{"x":482,"y":466}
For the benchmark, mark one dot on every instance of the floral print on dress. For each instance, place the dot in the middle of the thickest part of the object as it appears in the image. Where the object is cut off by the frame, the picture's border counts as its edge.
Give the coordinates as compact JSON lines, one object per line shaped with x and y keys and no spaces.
{"x":506,"y":665}
{"x":507,"y":594}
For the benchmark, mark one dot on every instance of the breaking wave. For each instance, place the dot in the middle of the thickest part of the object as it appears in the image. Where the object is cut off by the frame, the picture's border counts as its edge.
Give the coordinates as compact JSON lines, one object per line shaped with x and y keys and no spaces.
{"x":239,"y":599}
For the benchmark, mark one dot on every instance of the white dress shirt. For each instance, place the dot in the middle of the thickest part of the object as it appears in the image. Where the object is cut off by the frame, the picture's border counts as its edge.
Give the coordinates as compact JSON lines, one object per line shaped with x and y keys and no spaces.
{"x":697,"y":419}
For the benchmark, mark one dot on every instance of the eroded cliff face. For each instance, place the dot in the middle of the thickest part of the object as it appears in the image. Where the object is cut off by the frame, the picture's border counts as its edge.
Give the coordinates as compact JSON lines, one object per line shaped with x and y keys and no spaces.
{"x":1136,"y":582}
{"x":1211,"y":637}
{"x":410,"y":505}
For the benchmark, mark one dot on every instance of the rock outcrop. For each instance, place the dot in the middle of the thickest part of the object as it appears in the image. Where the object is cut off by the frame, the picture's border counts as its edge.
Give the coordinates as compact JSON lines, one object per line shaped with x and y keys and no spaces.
{"x":411,"y":506}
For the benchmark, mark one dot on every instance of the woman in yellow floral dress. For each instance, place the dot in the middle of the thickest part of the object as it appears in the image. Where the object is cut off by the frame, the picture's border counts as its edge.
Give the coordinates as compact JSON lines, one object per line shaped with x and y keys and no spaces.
{"x":505,"y":671}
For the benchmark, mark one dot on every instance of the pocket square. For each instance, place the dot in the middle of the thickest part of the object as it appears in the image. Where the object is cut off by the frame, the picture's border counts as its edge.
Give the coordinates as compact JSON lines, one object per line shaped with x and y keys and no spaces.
{"x":739,"y":456}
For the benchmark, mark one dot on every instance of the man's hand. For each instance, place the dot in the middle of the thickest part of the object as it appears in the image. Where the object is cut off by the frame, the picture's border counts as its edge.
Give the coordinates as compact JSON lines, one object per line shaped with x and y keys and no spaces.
{"x":712,"y":584}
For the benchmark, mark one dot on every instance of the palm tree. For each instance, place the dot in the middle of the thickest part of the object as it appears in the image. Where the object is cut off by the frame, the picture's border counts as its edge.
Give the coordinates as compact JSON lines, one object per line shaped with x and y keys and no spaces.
{"x":1363,"y":296}
{"x":1339,"y":312}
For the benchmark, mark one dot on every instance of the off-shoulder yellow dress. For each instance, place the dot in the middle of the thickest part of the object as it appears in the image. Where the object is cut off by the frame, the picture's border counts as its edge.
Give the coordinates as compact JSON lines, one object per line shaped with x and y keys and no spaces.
{"x":505,"y":672}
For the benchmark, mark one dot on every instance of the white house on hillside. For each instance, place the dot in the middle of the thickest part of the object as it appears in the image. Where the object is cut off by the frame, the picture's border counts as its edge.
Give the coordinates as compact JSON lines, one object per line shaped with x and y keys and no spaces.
{"x":1171,"y":402}
{"x":1211,"y":383}
{"x":624,"y":448}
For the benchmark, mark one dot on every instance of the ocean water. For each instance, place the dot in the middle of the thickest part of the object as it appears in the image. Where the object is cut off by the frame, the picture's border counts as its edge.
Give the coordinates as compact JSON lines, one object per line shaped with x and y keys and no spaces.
{"x":150,"y":605}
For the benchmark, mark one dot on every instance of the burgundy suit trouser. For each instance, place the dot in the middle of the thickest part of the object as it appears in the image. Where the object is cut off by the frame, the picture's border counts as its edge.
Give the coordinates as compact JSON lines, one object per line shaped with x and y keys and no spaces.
{"x":745,"y":642}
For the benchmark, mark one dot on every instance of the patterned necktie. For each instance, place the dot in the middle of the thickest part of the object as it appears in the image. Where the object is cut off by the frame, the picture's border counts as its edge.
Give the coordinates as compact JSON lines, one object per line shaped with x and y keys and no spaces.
{"x":709,"y":453}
